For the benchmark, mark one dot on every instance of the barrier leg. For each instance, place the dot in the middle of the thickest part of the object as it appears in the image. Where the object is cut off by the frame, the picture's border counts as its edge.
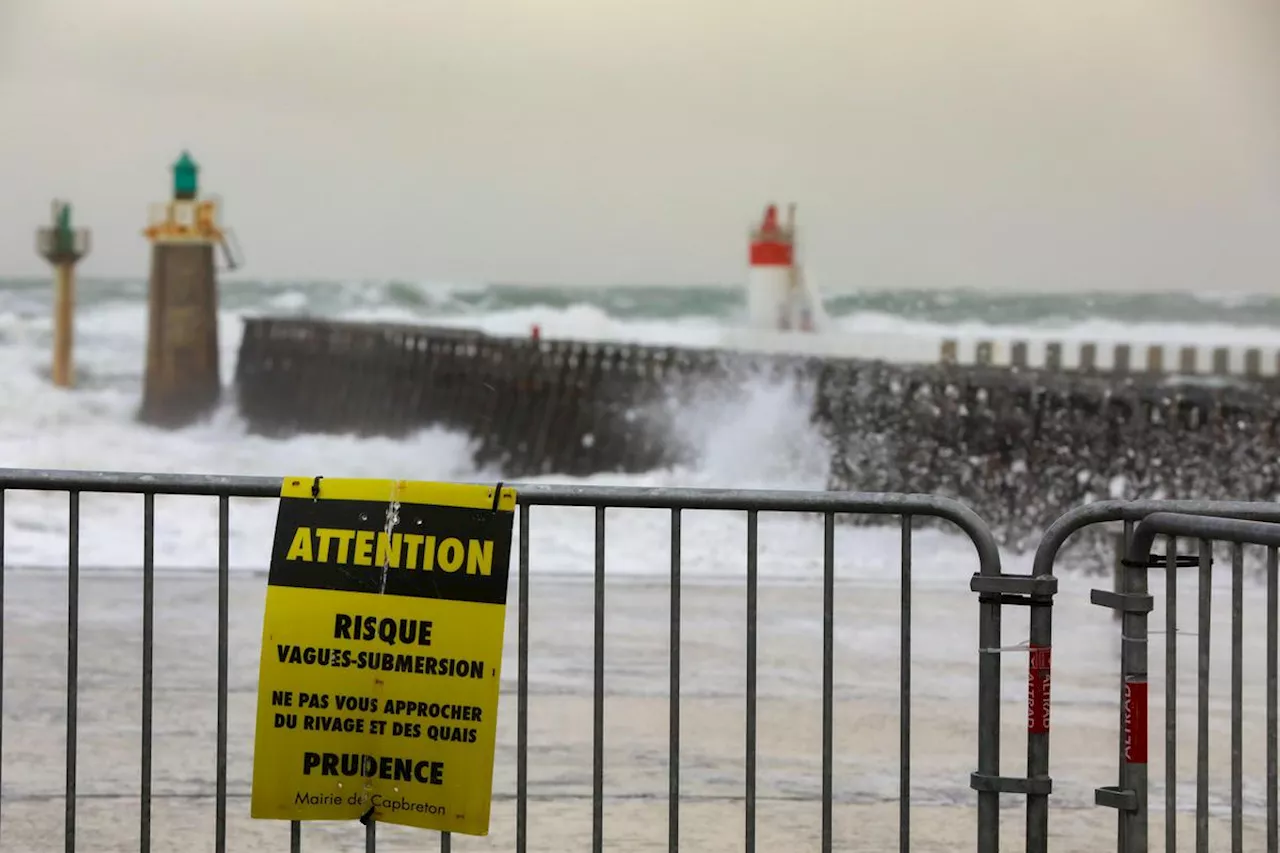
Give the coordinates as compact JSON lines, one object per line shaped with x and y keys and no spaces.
{"x":1129,"y":796}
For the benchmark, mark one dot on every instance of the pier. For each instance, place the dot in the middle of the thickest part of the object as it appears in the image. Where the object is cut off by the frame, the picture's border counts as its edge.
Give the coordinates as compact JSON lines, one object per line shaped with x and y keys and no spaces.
{"x":1019,"y":445}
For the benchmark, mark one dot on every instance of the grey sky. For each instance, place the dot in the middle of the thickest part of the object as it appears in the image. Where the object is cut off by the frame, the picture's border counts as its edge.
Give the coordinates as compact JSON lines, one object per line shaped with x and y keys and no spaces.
{"x":986,"y":143}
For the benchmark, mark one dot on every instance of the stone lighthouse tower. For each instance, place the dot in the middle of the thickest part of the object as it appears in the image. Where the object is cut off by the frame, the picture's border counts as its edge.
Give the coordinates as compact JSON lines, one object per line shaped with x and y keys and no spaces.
{"x":182,"y":378}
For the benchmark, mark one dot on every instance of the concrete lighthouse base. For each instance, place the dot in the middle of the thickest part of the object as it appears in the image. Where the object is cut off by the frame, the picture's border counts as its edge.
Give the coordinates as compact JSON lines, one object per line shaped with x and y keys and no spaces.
{"x":182,"y":381}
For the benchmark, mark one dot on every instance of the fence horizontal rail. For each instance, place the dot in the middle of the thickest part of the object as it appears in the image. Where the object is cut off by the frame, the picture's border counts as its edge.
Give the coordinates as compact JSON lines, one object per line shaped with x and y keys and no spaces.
{"x":1238,"y":530}
{"x":676,"y":502}
{"x":616,"y":497}
{"x":1131,"y":512}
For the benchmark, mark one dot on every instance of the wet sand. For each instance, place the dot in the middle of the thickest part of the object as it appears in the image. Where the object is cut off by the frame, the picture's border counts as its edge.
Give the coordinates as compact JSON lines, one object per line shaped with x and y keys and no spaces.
{"x":712,"y":777}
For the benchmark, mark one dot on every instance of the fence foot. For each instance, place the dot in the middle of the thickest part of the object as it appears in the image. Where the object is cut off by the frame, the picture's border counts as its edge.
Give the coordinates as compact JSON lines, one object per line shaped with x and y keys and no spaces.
{"x":1015,"y":589}
{"x":1122,"y":602}
{"x":1039,"y":785}
{"x":1112,"y":797}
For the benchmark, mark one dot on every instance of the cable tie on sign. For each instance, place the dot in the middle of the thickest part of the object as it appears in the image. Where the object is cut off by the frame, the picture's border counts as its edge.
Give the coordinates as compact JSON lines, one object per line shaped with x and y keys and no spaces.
{"x":367,"y":816}
{"x":1024,"y":646}
{"x":315,"y":488}
{"x":497,"y":495}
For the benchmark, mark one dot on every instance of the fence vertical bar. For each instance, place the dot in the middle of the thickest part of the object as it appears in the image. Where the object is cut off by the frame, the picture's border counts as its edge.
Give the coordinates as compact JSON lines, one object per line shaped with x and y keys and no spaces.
{"x":148,"y":659}
{"x":522,"y":688}
{"x":446,"y":842}
{"x":1202,"y":697}
{"x":989,"y":629}
{"x":224,"y":578}
{"x":73,"y":661}
{"x":1134,"y":710}
{"x":828,"y":670}
{"x":295,"y":836}
{"x":1237,"y":697}
{"x":904,"y":691}
{"x":371,"y":836}
{"x":749,"y":810}
{"x":1039,"y":709}
{"x":1171,"y":696}
{"x":1120,"y":818}
{"x":597,"y":759}
{"x":1273,"y":760}
{"x":673,"y":697}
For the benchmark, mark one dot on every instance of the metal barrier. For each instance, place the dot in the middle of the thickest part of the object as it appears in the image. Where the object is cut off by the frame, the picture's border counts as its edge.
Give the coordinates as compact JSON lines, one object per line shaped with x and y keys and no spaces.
{"x":1205,"y":521}
{"x":995,"y":588}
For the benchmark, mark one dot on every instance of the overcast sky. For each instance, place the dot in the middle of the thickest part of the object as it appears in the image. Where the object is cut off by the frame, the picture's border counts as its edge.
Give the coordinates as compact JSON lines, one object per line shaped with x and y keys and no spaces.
{"x":1099,"y":144}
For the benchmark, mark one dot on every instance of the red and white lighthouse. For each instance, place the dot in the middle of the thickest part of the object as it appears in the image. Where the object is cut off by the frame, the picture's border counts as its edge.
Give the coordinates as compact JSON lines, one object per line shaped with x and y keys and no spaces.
{"x":776,"y":296}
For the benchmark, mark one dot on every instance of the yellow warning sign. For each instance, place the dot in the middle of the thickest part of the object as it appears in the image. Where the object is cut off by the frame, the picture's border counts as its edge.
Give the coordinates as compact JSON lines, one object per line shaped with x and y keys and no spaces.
{"x":382,"y":652}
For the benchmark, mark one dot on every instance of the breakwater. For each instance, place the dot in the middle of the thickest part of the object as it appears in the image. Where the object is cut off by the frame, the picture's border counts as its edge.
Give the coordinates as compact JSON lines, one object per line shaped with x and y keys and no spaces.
{"x":1019,"y":446}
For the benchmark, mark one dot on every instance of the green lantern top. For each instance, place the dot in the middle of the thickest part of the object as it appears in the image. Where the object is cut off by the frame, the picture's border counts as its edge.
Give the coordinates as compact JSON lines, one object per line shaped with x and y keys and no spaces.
{"x":185,"y":177}
{"x":64,"y":239}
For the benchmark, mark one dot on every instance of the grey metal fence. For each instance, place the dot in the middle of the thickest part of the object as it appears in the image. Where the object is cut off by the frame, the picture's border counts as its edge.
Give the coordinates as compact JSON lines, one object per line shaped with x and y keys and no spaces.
{"x":995,"y":590}
{"x":1206,"y":522}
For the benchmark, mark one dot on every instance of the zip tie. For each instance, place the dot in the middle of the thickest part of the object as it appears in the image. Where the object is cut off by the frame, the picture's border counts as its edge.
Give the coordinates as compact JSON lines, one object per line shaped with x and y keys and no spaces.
{"x":1024,"y":646}
{"x":497,"y":496}
{"x":315,"y":488}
